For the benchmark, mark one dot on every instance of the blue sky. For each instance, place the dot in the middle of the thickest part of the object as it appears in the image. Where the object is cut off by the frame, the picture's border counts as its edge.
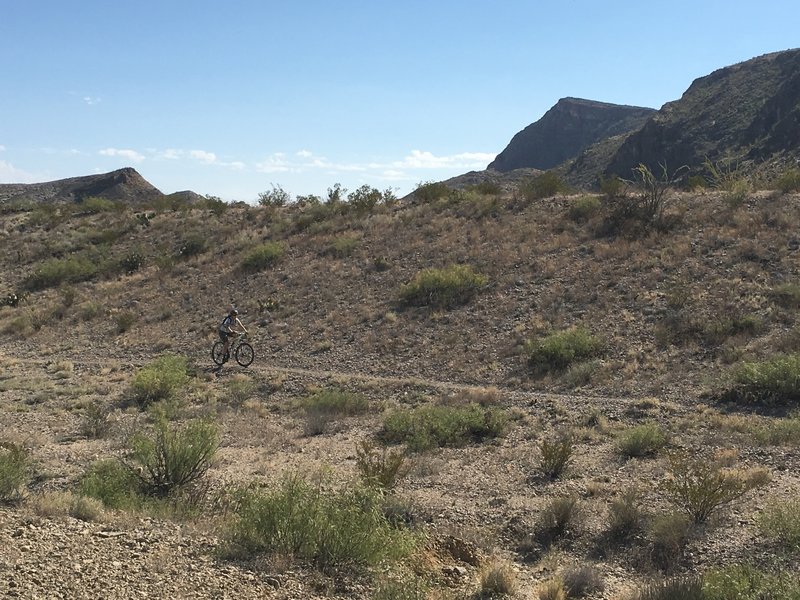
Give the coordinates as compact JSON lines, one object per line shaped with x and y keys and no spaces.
{"x":231,"y":98}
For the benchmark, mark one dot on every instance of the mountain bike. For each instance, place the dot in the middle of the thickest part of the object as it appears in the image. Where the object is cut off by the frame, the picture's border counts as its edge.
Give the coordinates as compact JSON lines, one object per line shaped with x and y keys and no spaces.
{"x":238,"y":348}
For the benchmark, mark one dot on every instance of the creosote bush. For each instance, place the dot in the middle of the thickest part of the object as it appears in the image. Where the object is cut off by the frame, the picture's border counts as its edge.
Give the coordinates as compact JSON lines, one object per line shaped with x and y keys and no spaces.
{"x":543,"y":186}
{"x":625,"y":516}
{"x":378,"y":467}
{"x":560,"y":349}
{"x":263,"y":256}
{"x":699,"y":488}
{"x":15,"y":465}
{"x":309,"y":522}
{"x":555,"y":455}
{"x":642,"y":440}
{"x":789,"y":181}
{"x":162,"y":379}
{"x":431,"y":191}
{"x":429,"y":427}
{"x":773,"y":381}
{"x":442,"y":288}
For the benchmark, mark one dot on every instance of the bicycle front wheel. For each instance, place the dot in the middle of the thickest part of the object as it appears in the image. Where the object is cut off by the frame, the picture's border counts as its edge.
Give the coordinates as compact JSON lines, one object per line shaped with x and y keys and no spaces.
{"x":218,"y":353}
{"x":244,"y":354}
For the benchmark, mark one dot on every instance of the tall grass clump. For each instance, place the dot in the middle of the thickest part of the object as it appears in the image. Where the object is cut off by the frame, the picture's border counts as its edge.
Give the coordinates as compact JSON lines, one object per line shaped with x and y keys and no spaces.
{"x":560,"y":349}
{"x":789,"y":181}
{"x":780,"y":521}
{"x":787,"y":295}
{"x":429,"y":427}
{"x":162,"y":379}
{"x":442,"y":288}
{"x":15,"y":466}
{"x":327,"y":405}
{"x":112,"y":483}
{"x":675,"y":588}
{"x":308,"y":522}
{"x":773,"y":381}
{"x":379,"y":467}
{"x":746,"y":582}
{"x":555,"y":455}
{"x":55,"y":271}
{"x":263,"y":256}
{"x":781,"y":432}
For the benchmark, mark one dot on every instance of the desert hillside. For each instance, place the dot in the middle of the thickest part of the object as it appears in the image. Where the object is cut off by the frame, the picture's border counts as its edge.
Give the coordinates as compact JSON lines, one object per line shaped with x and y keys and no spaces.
{"x":555,"y":378}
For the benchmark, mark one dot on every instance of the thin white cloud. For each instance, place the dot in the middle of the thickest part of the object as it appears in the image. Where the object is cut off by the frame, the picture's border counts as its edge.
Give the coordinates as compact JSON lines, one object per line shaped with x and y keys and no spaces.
{"x":10,"y":174}
{"x":208,"y":158}
{"x":419,"y":159}
{"x":124,"y":153}
{"x":92,"y":100}
{"x":2,"y":148}
{"x":275,"y":163}
{"x":305,"y":154}
{"x":170,"y":154}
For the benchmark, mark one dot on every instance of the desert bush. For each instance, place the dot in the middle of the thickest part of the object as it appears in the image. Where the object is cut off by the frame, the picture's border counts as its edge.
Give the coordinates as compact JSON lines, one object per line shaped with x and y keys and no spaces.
{"x":93,"y":205}
{"x":343,"y":246}
{"x":429,"y":427}
{"x":124,"y":321}
{"x":555,"y":455}
{"x":555,"y":520}
{"x":612,"y":187}
{"x":192,"y":245}
{"x":277,"y":196}
{"x":162,"y":379}
{"x":699,"y":487}
{"x":789,"y":181}
{"x":552,"y":590}
{"x":781,"y":432}
{"x":583,"y":207}
{"x":642,"y":440}
{"x":668,"y":535}
{"x":487,"y":188}
{"x":746,"y":582}
{"x":560,"y":349}
{"x":728,"y":176}
{"x":112,"y":483}
{"x":15,"y":470}
{"x":366,"y":198}
{"x":326,"y":405}
{"x":376,"y":467}
{"x":431,"y":191}
{"x":719,"y":329}
{"x":787,"y":295}
{"x":55,"y":271}
{"x":330,"y":528}
{"x":409,"y":588}
{"x":216,"y":205}
{"x":675,"y":588}
{"x":545,"y":185}
{"x":172,"y":458}
{"x":497,"y":578}
{"x":773,"y":381}
{"x":96,"y":421}
{"x":58,"y":503}
{"x":239,"y":390}
{"x":263,"y":256}
{"x":580,"y":582}
{"x":780,"y":521}
{"x":442,"y":288}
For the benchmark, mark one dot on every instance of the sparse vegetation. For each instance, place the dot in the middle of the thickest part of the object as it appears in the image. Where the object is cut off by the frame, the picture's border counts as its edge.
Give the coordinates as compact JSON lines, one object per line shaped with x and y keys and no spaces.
{"x":555,"y":455}
{"x":780,"y":521}
{"x":560,"y":349}
{"x":263,"y":256}
{"x":277,"y":196}
{"x":642,"y":440}
{"x":325,"y":406}
{"x":545,"y":185}
{"x":15,"y":465}
{"x":773,"y":381}
{"x":379,"y":467}
{"x":162,"y":379}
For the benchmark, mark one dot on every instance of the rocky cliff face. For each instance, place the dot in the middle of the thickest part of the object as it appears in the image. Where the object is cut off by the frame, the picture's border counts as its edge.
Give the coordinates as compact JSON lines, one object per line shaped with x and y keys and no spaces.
{"x":124,"y":185}
{"x":565,"y":130}
{"x":748,"y":111}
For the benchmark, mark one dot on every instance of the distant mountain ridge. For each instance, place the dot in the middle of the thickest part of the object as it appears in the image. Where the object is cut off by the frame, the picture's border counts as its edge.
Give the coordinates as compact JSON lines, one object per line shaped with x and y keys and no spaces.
{"x":123,"y":185}
{"x":748,"y":112}
{"x":569,"y":127}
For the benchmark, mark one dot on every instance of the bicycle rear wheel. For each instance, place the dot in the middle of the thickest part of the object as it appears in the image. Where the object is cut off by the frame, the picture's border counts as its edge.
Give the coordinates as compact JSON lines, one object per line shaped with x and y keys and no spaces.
{"x":244,"y":354}
{"x":218,"y":353}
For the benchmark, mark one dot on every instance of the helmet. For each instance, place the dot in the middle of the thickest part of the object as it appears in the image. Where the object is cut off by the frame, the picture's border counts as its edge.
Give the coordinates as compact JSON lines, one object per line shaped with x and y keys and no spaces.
{"x":234,"y":311}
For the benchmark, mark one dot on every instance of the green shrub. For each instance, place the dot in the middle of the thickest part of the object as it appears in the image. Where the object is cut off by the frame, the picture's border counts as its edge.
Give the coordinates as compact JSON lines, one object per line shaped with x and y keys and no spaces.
{"x":161,"y":380}
{"x":55,"y":271}
{"x":729,"y":177}
{"x":93,"y":205}
{"x":330,"y":528}
{"x":780,"y":521}
{"x":559,"y":350}
{"x":699,"y":488}
{"x":263,"y":256}
{"x":15,"y":466}
{"x":112,"y":483}
{"x":625,"y":517}
{"x":787,"y":295}
{"x":583,"y":207}
{"x":582,"y":581}
{"x":431,"y":191}
{"x":789,"y":181}
{"x":745,"y":582}
{"x":613,"y":186}
{"x":555,"y":455}
{"x":555,"y":520}
{"x":498,"y":579}
{"x":442,"y":288}
{"x":774,"y":381}
{"x":192,"y":245}
{"x":96,"y":420}
{"x":642,"y":440}
{"x":668,"y":535}
{"x":125,"y":320}
{"x":366,"y":198}
{"x":429,"y":427}
{"x":376,"y":467}
{"x":406,"y":589}
{"x":343,"y":246}
{"x":172,"y":458}
{"x":277,"y":196}
{"x":781,"y":432}
{"x":543,"y":186}
{"x":487,"y":188}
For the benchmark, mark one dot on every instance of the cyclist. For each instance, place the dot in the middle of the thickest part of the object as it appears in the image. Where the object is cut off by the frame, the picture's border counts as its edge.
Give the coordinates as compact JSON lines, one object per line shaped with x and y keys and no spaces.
{"x":230,"y":326}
